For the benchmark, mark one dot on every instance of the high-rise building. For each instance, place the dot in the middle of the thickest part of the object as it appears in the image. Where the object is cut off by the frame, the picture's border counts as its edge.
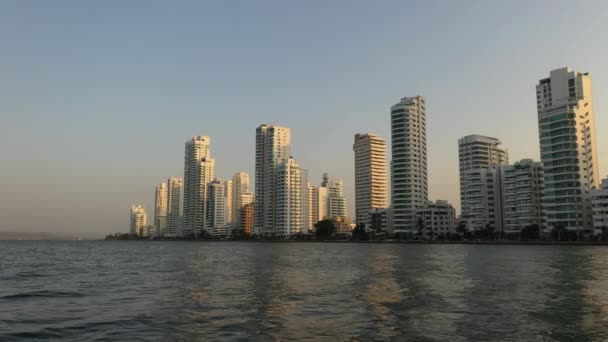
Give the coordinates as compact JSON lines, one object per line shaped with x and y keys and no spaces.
{"x":568,"y":148}
{"x":484,"y":193}
{"x":273,"y":148}
{"x":599,"y":203}
{"x":320,"y":204}
{"x":438,"y":219}
{"x":160,"y":208}
{"x":336,"y":202}
{"x":174,"y":204}
{"x":477,"y":156}
{"x":199,"y":170}
{"x":524,"y":196}
{"x":371,"y":186}
{"x":240,"y":185}
{"x":409,"y":190}
{"x":228,"y":200}
{"x":138,"y":220}
{"x":289,"y":216}
{"x":246,"y":219}
{"x":216,"y":208}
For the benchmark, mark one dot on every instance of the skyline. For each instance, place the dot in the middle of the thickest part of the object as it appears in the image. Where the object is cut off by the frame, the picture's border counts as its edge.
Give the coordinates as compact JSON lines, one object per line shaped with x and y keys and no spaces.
{"x":83,"y":132}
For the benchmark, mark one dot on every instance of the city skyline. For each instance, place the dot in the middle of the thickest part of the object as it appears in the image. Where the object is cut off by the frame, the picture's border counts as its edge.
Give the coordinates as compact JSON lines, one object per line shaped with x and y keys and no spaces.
{"x":488,"y":93}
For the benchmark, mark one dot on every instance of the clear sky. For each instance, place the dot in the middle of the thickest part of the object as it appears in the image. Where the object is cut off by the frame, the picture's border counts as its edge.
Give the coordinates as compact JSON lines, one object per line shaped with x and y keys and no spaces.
{"x":97,"y":98}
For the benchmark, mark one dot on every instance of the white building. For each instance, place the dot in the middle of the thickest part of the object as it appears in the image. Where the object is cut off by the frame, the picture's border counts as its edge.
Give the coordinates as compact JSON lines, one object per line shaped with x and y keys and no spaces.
{"x":174,"y":199}
{"x":371,"y":176}
{"x":336,"y":202}
{"x":481,"y":202}
{"x":409,"y":190}
{"x":240,"y":186}
{"x":228,"y":200}
{"x":438,"y":218}
{"x":320,"y":204}
{"x":199,"y":170}
{"x":161,"y":197}
{"x":289,"y":214}
{"x":138,"y":220}
{"x":273,"y":148}
{"x":568,"y":148}
{"x":216,"y":208}
{"x":599,"y":203}
{"x":524,"y":194}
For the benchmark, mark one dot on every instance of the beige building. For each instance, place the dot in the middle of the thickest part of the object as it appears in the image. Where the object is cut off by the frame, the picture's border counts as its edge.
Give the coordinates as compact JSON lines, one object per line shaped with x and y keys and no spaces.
{"x":371,"y":176}
{"x":289,"y":215}
{"x":174,"y":206}
{"x":161,"y":195}
{"x":524,"y":193}
{"x":138,"y":220}
{"x":199,"y":170}
{"x":438,"y":219}
{"x":240,"y":186}
{"x":568,"y":148}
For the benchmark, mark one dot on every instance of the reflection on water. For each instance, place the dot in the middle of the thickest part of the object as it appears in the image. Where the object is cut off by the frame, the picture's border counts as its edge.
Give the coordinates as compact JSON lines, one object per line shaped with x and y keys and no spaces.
{"x":291,"y":291}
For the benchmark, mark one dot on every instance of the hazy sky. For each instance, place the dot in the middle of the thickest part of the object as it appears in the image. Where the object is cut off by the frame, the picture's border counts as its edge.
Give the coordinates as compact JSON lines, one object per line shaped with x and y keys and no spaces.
{"x":97,"y":98}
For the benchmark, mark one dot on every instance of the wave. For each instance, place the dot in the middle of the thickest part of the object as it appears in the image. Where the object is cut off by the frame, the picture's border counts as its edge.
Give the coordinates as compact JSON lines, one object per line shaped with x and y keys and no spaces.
{"x":43,"y":294}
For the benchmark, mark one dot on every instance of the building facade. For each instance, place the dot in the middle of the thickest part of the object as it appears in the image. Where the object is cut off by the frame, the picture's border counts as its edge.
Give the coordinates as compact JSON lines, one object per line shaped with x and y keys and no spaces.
{"x":336,"y":201}
{"x":371,"y":176}
{"x":198,"y":172}
{"x":240,"y":186}
{"x":272,"y":148}
{"x":437,"y":218}
{"x":289,"y":215}
{"x":568,"y":148}
{"x":216,"y":208}
{"x":174,"y":201}
{"x":246,"y":218}
{"x":599,"y":204}
{"x":228,"y":200}
{"x":138,"y":220}
{"x":161,"y":197}
{"x":378,"y":220}
{"x":481,"y":181}
{"x":524,"y":196}
{"x":409,"y":183}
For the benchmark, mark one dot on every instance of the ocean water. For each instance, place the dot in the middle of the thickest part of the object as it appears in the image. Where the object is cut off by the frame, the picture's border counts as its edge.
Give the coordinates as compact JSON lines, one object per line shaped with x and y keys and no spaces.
{"x":200,"y":291}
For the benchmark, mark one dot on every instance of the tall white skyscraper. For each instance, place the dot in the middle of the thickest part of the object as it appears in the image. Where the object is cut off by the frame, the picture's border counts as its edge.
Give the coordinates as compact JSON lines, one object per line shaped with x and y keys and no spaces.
{"x":409,"y":190}
{"x":320,"y":204}
{"x":228,"y":195}
{"x":161,"y":208}
{"x":273,"y":148}
{"x":478,"y":156}
{"x":199,"y":170}
{"x":138,"y":220}
{"x":216,"y":208}
{"x":240,"y":186}
{"x":371,"y":185}
{"x":568,"y":148}
{"x":174,"y":204}
{"x":289,"y":215}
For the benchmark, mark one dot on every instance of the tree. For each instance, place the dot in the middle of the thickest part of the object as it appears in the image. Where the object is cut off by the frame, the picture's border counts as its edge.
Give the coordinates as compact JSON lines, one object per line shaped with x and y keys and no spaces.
{"x":324,"y":229}
{"x":531,"y":231}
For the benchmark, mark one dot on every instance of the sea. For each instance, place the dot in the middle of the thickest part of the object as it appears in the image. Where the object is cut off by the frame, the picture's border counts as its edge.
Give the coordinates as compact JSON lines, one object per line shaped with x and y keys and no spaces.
{"x":292,"y":291}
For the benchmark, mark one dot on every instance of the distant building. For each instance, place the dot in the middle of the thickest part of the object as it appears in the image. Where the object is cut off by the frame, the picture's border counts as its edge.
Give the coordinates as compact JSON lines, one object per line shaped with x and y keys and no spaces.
{"x":480,"y":201}
{"x":228,"y":201}
{"x":438,"y":219}
{"x":273,"y":148}
{"x":524,"y":196}
{"x":289,"y":219}
{"x":240,"y":186}
{"x":409,"y":162}
{"x":174,"y":206}
{"x":160,"y":208}
{"x":378,"y":220}
{"x":216,"y":208}
{"x":138,"y":219}
{"x":599,"y":203}
{"x":246,"y":218}
{"x":199,"y":170}
{"x":568,"y":148}
{"x":371,"y":172}
{"x":336,"y":202}
{"x":320,"y":204}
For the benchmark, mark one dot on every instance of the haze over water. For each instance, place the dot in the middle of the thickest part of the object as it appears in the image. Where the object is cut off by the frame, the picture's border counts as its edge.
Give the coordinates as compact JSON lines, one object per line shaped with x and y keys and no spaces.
{"x":280,"y":291}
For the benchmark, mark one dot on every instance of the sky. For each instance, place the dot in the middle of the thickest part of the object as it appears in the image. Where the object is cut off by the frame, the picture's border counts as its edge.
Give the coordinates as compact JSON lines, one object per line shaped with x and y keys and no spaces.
{"x":97,"y":98}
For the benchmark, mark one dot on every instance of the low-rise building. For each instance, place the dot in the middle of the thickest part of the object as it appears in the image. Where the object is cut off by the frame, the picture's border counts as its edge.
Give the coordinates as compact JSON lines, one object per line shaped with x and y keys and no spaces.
{"x":437,"y":219}
{"x":599,"y":204}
